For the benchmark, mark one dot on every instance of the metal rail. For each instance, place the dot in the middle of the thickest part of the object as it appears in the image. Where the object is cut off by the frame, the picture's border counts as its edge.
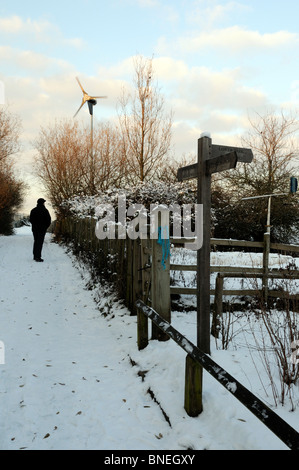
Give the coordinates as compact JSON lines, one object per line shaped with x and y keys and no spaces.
{"x":277,"y":425}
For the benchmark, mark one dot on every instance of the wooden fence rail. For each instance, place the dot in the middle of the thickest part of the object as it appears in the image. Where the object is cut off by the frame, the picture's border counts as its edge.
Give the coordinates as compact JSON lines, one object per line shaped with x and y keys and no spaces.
{"x":241,"y":243}
{"x":195,"y":361}
{"x":267,"y":274}
{"x":235,"y":272}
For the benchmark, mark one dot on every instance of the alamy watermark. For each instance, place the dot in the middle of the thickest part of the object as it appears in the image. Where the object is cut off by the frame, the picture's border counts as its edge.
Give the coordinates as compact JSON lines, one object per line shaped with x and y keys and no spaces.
{"x":159,"y":222}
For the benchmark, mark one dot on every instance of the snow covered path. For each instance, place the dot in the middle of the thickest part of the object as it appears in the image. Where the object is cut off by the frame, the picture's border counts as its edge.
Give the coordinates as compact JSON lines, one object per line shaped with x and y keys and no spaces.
{"x":74,"y":379}
{"x":62,"y":386}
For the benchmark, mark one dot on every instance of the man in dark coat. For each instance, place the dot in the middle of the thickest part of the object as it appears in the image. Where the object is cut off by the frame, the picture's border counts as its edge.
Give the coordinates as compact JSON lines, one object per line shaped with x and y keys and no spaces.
{"x":40,"y":220}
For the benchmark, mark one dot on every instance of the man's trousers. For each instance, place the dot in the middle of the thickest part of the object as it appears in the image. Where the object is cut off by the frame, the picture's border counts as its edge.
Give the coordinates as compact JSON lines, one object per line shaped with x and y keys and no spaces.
{"x":38,"y":243}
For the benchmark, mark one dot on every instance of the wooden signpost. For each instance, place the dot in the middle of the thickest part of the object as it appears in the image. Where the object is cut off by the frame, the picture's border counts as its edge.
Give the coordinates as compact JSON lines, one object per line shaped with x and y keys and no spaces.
{"x":211,"y":159}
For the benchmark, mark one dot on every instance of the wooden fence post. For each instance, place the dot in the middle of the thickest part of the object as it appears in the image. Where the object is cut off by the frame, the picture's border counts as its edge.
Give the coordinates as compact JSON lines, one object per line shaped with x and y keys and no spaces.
{"x":160,"y":288}
{"x":142,"y":330}
{"x":128,"y":271}
{"x":136,"y":274}
{"x":193,"y":387}
{"x":145,"y":269}
{"x":266,"y":253}
{"x":217,"y":306}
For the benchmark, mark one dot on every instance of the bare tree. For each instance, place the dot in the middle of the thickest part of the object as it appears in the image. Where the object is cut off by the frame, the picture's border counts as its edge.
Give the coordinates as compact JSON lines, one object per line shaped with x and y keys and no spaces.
{"x":145,"y":127}
{"x":9,"y":135}
{"x":272,"y":140}
{"x":12,"y":189}
{"x":108,"y":158}
{"x":68,"y":166}
{"x":62,"y":152}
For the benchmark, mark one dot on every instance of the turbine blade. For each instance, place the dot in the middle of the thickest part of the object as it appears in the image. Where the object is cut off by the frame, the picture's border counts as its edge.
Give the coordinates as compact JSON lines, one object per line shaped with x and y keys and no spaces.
{"x":79,"y":109}
{"x":95,"y":97}
{"x":80,"y":85}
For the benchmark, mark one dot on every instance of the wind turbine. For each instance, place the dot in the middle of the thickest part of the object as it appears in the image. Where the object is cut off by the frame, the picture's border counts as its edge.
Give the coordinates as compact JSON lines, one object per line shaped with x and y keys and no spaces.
{"x":91,"y":101}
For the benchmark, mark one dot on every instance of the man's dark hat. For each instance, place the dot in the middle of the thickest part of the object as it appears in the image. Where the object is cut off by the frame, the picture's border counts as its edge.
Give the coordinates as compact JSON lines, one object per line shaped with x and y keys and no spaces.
{"x":41,"y":201}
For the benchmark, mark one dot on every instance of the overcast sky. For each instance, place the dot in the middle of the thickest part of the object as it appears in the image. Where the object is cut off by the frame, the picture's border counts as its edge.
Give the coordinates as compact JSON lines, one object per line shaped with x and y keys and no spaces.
{"x":216,"y":61}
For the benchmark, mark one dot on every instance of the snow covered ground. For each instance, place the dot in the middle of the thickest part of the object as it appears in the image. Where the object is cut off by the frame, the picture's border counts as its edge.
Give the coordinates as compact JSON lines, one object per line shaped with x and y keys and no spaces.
{"x":73,"y":378}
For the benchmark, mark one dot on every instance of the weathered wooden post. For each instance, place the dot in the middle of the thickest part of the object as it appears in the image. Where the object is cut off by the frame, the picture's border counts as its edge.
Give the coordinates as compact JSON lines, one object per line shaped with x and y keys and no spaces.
{"x":266,"y":254}
{"x":144,"y":269}
{"x":136,"y":275}
{"x":160,"y":287}
{"x":142,"y":329}
{"x":217,"y":315}
{"x":211,"y":159}
{"x":193,"y":387}
{"x":203,"y":254}
{"x":129,"y":277}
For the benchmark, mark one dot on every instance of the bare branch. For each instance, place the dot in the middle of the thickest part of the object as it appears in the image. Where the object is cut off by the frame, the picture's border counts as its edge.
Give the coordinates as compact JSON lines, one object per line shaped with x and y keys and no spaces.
{"x":145,"y":127}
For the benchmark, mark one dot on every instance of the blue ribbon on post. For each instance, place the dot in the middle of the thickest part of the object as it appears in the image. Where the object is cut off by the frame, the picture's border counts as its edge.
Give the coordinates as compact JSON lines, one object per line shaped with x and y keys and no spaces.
{"x":165,"y":243}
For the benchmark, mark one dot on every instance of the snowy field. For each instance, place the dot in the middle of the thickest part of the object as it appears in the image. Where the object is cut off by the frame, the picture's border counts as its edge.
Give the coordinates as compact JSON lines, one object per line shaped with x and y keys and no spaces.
{"x":73,"y":378}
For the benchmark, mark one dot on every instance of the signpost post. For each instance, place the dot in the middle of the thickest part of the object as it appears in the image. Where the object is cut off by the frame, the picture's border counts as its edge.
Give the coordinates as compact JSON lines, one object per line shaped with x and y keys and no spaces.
{"x":211,"y":159}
